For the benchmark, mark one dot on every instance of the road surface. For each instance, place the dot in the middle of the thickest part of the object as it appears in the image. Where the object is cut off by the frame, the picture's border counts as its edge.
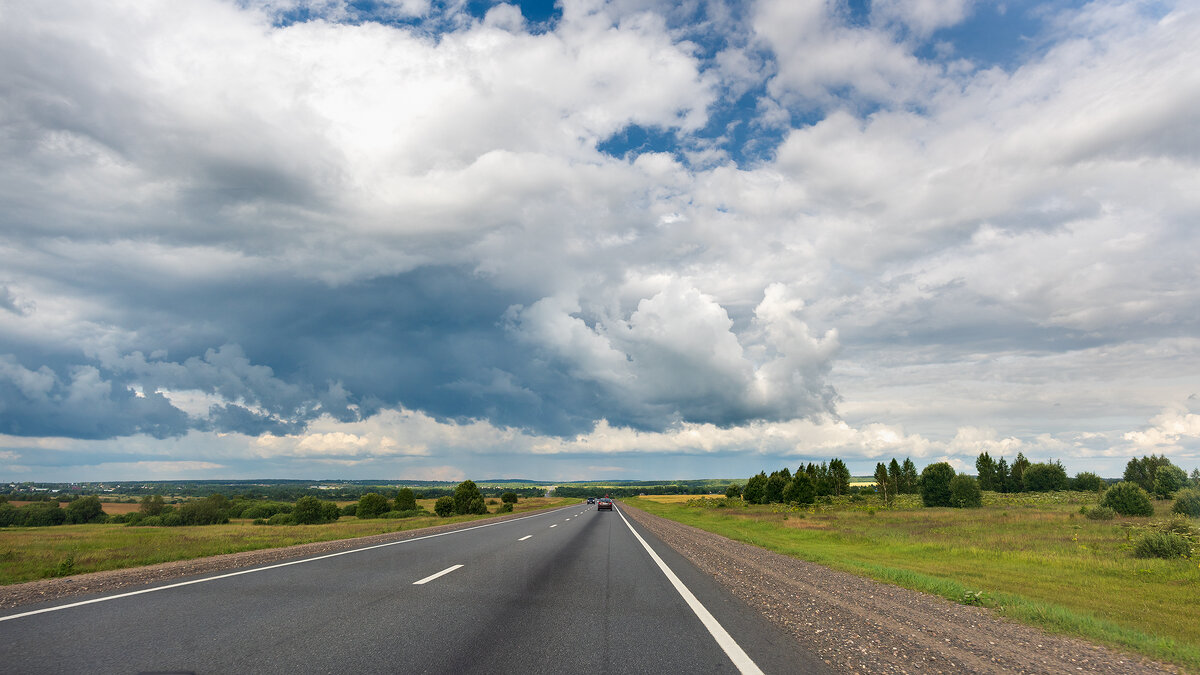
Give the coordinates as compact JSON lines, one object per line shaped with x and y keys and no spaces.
{"x":570,"y":590}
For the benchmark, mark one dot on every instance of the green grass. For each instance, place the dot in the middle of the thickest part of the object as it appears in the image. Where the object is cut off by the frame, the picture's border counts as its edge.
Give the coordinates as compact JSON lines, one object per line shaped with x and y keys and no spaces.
{"x":1031,"y":558}
{"x":27,"y":554}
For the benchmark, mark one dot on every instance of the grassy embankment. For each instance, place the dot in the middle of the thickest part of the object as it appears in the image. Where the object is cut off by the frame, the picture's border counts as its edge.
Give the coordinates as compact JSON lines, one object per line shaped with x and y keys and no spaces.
{"x":33,"y":553}
{"x":1033,"y":557}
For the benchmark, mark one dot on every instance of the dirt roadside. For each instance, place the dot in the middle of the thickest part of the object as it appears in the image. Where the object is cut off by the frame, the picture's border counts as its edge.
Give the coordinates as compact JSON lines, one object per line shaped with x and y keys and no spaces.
{"x":857,"y":625}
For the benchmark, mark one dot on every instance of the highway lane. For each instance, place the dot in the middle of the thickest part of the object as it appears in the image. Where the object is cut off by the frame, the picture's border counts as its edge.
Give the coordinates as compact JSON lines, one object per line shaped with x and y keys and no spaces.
{"x":565,"y":591}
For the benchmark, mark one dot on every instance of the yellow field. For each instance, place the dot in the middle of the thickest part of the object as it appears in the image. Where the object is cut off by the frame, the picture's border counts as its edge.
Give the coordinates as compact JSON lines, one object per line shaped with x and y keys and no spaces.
{"x":676,"y":499}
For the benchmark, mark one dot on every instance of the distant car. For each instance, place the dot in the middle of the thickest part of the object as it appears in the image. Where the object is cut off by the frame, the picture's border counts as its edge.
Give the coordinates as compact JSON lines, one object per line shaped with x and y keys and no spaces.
{"x":603,"y":504}
{"x":591,"y":500}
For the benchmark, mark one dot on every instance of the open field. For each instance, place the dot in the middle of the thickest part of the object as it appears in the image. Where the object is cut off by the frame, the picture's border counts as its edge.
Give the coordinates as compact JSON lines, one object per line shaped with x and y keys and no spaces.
{"x":1030,"y":557}
{"x":33,"y":553}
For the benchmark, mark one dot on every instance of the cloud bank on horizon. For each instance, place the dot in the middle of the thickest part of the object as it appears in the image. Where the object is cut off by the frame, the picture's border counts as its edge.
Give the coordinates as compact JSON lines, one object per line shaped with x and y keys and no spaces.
{"x":634,"y":238}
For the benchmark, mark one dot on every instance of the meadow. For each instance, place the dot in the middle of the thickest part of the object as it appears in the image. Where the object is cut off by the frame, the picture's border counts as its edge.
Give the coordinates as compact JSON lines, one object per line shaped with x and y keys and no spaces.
{"x":1031,"y":557}
{"x":30,"y":553}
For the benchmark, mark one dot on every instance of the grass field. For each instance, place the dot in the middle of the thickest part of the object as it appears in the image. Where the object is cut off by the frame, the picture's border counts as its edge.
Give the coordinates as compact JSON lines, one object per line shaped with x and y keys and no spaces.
{"x":33,"y":553}
{"x":1033,"y":558}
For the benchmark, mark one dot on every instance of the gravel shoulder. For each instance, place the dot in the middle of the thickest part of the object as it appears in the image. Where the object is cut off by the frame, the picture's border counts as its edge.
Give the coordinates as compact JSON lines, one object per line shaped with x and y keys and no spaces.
{"x":17,"y":595}
{"x":859,"y":625}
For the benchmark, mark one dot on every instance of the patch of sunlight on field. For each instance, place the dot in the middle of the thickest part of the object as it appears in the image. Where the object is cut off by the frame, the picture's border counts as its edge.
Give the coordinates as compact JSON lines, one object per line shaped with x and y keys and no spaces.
{"x":675,"y":499}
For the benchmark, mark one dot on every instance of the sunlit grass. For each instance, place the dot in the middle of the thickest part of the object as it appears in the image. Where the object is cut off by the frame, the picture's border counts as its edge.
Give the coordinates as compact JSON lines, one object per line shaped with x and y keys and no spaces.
{"x":27,"y":554}
{"x":1034,"y":557}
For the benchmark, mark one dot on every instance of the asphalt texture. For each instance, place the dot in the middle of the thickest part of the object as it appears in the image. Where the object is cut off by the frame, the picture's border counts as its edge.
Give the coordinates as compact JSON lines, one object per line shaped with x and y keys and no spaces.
{"x":564,"y":591}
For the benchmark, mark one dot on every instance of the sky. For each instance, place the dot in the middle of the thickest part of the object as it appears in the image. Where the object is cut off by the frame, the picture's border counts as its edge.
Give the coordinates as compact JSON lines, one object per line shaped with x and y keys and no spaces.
{"x":583,"y":239}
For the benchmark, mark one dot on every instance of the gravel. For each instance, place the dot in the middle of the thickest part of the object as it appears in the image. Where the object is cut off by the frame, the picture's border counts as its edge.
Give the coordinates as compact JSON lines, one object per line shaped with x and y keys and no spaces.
{"x":859,"y":625}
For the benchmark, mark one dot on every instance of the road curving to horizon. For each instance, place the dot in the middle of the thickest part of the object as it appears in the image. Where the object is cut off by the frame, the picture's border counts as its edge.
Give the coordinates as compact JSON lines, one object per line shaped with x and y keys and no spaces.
{"x":568,"y":590}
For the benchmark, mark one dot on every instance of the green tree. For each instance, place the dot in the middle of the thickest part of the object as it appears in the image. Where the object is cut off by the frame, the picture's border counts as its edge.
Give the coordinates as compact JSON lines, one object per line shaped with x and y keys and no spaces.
{"x":1128,"y":499}
{"x":85,"y":510}
{"x":734,"y":491}
{"x":152,"y":505}
{"x":935,"y":484}
{"x":883,"y":484}
{"x":985,"y":467}
{"x":1168,"y":480}
{"x":800,"y":490}
{"x":910,"y":482}
{"x":507,"y":498}
{"x":756,"y":488}
{"x":1045,"y":477}
{"x":776,"y":482}
{"x":894,"y":475}
{"x":444,"y":506}
{"x":1143,"y":471}
{"x":468,"y":498}
{"x":839,"y":477}
{"x":371,"y":505}
{"x":309,"y":511}
{"x":1017,"y":473}
{"x":1003,"y":476}
{"x":965,"y":492}
{"x":1086,"y":481}
{"x":406,"y":500}
{"x":1187,"y":502}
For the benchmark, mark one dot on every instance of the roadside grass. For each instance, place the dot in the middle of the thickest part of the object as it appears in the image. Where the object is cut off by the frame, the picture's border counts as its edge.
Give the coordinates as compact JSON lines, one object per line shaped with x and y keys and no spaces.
{"x":31,"y":553}
{"x":1029,"y":557}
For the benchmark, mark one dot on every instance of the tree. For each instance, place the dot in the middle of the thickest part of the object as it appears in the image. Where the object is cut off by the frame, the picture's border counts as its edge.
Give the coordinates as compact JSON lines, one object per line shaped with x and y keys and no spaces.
{"x":311,"y":511}
{"x":985,"y":467}
{"x":935,"y":484}
{"x":839,"y":477}
{"x":1167,"y":480}
{"x":894,"y":475}
{"x":822,"y":482}
{"x":756,"y":488}
{"x":1196,"y":478}
{"x":909,"y":483}
{"x":406,"y":500}
{"x":800,"y":490}
{"x":371,"y":505}
{"x":468,"y":499}
{"x":1045,"y":477}
{"x":882,"y":484}
{"x":1128,"y":499}
{"x":85,"y":510}
{"x":734,"y":491}
{"x":965,"y":492}
{"x":1187,"y":502}
{"x":1086,"y":481}
{"x":444,"y":506}
{"x":775,"y":485}
{"x":1017,"y":473}
{"x":1142,"y":471}
{"x":1003,"y":477}
{"x":507,"y":498}
{"x":152,"y":505}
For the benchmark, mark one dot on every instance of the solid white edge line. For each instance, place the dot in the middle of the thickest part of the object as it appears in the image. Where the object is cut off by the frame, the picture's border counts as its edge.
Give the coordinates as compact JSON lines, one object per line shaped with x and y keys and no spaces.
{"x":732,"y":649}
{"x":431,"y":577}
{"x":263,"y":569}
{"x":525,"y":537}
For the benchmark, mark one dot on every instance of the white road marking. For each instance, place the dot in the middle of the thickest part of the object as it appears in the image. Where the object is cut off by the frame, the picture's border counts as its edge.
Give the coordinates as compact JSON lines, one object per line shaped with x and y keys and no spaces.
{"x":525,"y":537}
{"x":263,"y":569}
{"x":554,"y":525}
{"x":431,"y":577}
{"x":732,"y":649}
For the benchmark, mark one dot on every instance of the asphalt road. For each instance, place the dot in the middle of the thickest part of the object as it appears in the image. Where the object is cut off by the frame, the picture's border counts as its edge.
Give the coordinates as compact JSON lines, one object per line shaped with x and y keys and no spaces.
{"x":571,"y":590}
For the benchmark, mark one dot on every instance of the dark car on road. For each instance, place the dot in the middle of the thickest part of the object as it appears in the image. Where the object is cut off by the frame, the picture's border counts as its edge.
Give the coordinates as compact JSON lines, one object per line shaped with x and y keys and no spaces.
{"x":604,"y":504}
{"x":591,"y":500}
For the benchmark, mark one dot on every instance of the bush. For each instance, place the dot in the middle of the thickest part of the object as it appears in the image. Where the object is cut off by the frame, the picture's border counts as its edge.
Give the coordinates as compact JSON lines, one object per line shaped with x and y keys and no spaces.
{"x":42,"y":514}
{"x":281,"y":519}
{"x":372,"y":505}
{"x":391,"y":515}
{"x":444,"y":506}
{"x":173,"y":519}
{"x":85,"y":510}
{"x":207,"y":511}
{"x":1087,"y":481}
{"x":350,"y":509}
{"x":259,"y":521}
{"x":1163,"y":545}
{"x":965,"y":492}
{"x":506,"y":507}
{"x":312,"y":511}
{"x":1168,"y":480}
{"x":468,"y":498}
{"x":406,"y":500}
{"x":121,"y":518}
{"x":509,"y":498}
{"x":1100,"y":513}
{"x":148,"y":521}
{"x":152,"y":505}
{"x":935,"y":484}
{"x":1187,"y":502}
{"x":734,"y":491}
{"x":1044,"y":477}
{"x":1128,"y":499}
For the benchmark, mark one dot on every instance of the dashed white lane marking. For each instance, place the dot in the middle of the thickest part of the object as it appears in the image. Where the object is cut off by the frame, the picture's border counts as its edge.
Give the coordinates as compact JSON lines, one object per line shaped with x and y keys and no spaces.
{"x":525,"y":537}
{"x":741,"y":660}
{"x":554,"y":525}
{"x":431,"y":577}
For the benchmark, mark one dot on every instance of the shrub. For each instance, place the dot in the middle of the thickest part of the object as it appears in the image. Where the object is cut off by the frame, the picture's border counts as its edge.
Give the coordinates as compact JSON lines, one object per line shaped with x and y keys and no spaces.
{"x":259,"y":521}
{"x":935,"y":484}
{"x":468,"y":498}
{"x":733,"y":491}
{"x":8,"y":514}
{"x":1128,"y":499}
{"x":173,"y":519}
{"x":506,"y":507}
{"x":1163,"y":545}
{"x":152,"y":505}
{"x":148,"y":521}
{"x":509,"y":498}
{"x":350,"y":509}
{"x":372,"y":505}
{"x":281,"y":519}
{"x":85,"y":510}
{"x":1086,"y":481}
{"x":312,"y":511}
{"x":406,"y":500}
{"x":1187,"y":502}
{"x":444,"y":506}
{"x":965,"y":492}
{"x":207,"y":511}
{"x":1100,"y":513}
{"x":392,"y":515}
{"x":1169,"y":479}
{"x":121,"y":517}
{"x":40,"y":515}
